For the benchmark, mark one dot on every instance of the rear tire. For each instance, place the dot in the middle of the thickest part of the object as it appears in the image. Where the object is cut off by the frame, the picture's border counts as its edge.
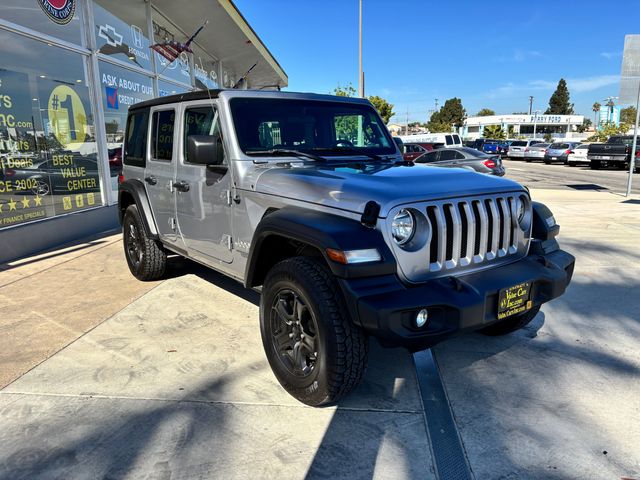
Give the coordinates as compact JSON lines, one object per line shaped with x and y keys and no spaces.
{"x":547,"y":162}
{"x":511,"y":324}
{"x":595,"y":165}
{"x":147,"y":260}
{"x":315,"y":350}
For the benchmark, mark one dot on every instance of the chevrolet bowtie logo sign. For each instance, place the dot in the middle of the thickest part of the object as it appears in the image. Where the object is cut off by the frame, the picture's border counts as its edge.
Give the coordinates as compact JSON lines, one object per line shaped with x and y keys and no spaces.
{"x":109,"y":33}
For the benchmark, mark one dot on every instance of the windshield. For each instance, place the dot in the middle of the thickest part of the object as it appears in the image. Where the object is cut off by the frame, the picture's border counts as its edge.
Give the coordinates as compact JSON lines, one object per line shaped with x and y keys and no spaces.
{"x":326,"y":128}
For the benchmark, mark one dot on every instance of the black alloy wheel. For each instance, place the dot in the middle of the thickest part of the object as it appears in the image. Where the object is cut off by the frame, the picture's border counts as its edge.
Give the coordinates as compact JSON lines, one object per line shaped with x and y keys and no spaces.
{"x":145,"y":256}
{"x":294,"y":333}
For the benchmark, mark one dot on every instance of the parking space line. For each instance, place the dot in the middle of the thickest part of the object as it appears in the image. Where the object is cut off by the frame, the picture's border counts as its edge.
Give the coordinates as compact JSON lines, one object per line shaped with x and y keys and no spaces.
{"x":448,"y":455}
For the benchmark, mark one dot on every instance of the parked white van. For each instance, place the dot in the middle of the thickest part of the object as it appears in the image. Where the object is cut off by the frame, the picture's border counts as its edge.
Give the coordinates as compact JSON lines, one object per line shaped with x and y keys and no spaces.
{"x":447,"y":140}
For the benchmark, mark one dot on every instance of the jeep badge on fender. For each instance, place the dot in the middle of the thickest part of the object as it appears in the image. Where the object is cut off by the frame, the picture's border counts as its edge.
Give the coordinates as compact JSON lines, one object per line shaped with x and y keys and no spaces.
{"x":307,"y":197}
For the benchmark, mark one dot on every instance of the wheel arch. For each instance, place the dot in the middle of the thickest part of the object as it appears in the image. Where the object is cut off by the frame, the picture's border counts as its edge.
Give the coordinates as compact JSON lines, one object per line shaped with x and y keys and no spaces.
{"x":294,"y":231}
{"x":132,"y":192}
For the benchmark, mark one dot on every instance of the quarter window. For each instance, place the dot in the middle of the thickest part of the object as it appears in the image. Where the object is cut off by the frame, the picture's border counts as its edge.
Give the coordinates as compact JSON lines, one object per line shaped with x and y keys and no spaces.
{"x":162,"y":135}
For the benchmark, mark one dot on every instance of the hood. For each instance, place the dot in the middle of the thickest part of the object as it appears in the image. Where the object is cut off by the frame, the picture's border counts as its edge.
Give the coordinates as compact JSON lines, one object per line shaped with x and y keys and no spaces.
{"x":350,"y":187}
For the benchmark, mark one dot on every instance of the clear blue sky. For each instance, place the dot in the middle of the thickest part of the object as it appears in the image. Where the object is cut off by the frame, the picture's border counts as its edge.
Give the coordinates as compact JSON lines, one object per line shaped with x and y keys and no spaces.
{"x":490,"y":54}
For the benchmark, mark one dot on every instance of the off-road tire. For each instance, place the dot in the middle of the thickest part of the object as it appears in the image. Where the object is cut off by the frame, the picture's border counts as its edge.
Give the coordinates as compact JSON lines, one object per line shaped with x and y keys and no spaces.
{"x":510,"y":324}
{"x":342,"y":346}
{"x":147,"y":260}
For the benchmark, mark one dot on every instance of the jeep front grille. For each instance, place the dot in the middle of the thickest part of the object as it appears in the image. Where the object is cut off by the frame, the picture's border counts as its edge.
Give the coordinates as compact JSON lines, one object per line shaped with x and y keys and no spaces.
{"x":471,"y":231}
{"x":462,"y":235}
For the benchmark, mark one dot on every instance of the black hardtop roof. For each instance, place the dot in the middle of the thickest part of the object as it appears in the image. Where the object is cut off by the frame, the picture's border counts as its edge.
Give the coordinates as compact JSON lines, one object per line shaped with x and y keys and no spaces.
{"x":180,"y":97}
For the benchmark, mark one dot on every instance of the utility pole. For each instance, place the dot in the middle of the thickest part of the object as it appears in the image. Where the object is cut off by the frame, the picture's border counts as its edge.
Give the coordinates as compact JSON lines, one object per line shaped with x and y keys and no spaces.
{"x":407,"y":128}
{"x":530,"y":103}
{"x":535,"y":123}
{"x":360,"y":72}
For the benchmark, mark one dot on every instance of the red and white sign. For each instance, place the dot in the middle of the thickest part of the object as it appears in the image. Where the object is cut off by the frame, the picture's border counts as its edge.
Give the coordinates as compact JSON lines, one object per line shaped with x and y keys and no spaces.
{"x":60,"y":11}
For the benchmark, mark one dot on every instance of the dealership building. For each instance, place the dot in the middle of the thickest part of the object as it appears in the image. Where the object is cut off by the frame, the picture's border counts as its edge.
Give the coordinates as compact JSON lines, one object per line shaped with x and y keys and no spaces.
{"x":69,"y":70}
{"x":527,"y":126}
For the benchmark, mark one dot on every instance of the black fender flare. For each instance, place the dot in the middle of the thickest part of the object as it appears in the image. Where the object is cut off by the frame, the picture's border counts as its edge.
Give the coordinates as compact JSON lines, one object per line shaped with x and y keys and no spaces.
{"x":542,"y":230}
{"x":136,"y":190}
{"x":321,"y":231}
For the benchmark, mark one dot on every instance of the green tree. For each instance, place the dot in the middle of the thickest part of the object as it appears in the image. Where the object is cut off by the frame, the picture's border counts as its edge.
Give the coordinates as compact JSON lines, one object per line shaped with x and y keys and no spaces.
{"x":548,"y":137}
{"x":494,"y":132}
{"x":596,"y":108}
{"x":586,"y":123}
{"x":384,"y":108}
{"x":559,"y":103}
{"x":607,"y":130}
{"x":628,"y":115}
{"x":347,"y":91}
{"x":485,"y":112}
{"x":451,"y":114}
{"x":510,"y":131}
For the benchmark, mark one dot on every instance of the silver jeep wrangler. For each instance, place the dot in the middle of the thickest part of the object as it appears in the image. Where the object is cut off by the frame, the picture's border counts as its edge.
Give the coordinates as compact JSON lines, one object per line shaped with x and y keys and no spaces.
{"x":307,"y":197}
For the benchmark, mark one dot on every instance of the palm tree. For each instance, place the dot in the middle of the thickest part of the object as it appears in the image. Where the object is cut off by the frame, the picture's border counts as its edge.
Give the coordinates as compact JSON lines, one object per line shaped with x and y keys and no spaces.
{"x":596,"y":109}
{"x":494,"y":132}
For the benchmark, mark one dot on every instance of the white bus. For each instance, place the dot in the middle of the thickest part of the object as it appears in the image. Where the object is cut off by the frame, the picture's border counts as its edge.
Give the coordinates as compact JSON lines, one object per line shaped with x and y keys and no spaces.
{"x":447,"y":140}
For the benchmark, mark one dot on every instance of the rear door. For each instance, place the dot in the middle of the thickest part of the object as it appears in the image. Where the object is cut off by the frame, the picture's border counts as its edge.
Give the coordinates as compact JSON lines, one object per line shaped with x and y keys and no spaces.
{"x":203,"y":198}
{"x":159,"y":173}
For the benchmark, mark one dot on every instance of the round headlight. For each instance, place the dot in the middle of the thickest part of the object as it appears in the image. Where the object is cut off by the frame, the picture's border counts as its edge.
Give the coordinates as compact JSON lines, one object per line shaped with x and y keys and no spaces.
{"x":403,"y":226}
{"x":522,"y":207}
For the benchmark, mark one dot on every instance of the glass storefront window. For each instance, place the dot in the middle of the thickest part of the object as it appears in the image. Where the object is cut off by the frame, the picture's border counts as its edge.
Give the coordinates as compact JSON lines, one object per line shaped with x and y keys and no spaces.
{"x":48,"y":154}
{"x":168,"y":88}
{"x":205,"y":69}
{"x":58,"y":18}
{"x":120,"y":88}
{"x":120,"y":28}
{"x":164,"y":30}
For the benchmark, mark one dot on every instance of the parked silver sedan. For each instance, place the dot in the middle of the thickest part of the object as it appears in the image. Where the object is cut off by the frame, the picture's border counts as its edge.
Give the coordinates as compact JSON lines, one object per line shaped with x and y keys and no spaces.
{"x":535,"y":152}
{"x":464,"y":157}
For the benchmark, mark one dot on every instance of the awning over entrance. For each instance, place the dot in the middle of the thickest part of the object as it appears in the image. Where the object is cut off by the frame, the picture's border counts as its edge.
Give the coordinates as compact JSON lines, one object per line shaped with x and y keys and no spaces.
{"x":228,"y":36}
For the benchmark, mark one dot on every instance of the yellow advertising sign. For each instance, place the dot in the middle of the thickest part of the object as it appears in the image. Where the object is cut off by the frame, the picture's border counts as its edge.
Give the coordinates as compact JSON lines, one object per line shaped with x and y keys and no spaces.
{"x":67,"y":115}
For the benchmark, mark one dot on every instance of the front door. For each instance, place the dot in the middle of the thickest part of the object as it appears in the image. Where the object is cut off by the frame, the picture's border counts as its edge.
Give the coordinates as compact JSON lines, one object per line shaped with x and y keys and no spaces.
{"x":159,"y":172}
{"x":203,"y":193}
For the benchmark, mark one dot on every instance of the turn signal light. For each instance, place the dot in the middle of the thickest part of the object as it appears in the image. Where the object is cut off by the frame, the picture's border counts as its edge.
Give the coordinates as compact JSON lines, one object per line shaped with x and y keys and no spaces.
{"x":353,"y":256}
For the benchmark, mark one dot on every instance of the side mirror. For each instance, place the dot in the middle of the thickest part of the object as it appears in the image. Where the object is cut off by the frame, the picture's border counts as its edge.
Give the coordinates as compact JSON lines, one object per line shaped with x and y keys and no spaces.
{"x":205,"y":149}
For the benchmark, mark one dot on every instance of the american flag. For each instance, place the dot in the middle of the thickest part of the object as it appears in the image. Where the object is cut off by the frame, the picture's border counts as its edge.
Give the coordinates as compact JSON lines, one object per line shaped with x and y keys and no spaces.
{"x":172,"y":49}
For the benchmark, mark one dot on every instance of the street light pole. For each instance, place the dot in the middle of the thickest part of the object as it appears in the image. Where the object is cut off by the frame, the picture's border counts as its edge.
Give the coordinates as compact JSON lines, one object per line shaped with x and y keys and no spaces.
{"x":535,"y":123}
{"x":360,"y":72}
{"x":530,"y":103}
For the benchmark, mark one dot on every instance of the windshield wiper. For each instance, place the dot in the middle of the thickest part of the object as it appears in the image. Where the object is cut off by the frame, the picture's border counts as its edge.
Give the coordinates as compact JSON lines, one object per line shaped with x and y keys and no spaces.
{"x":350,"y":151}
{"x":284,"y":151}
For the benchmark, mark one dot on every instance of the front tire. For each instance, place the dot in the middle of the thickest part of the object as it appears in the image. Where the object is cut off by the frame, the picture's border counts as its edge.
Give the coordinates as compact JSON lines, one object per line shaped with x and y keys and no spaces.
{"x":147,"y":260}
{"x":315,"y":350}
{"x":511,"y":324}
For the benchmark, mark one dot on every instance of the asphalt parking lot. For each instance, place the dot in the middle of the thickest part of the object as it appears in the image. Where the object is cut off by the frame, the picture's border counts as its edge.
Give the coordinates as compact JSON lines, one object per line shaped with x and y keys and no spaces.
{"x":103,"y":376}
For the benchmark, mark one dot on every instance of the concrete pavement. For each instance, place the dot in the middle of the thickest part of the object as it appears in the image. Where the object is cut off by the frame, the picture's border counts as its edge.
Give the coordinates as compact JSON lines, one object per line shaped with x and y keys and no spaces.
{"x":169,"y":380}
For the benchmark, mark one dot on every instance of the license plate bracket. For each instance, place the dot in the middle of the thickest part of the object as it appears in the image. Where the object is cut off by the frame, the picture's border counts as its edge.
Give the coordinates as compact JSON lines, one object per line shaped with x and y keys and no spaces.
{"x":514,"y":300}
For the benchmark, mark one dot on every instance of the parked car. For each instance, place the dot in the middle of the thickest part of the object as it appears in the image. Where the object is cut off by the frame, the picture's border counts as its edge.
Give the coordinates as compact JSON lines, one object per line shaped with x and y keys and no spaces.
{"x":559,"y":152}
{"x":447,"y":140}
{"x":578,"y":155}
{"x":535,"y":151}
{"x":415,"y":150}
{"x":463,"y":157}
{"x":616,"y":152}
{"x":517,"y":148}
{"x":491,"y":146}
{"x":344,"y":238}
{"x":503,"y":148}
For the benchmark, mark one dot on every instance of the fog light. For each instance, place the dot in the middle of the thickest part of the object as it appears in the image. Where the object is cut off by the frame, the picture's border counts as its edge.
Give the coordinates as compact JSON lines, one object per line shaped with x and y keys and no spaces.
{"x":422,"y":317}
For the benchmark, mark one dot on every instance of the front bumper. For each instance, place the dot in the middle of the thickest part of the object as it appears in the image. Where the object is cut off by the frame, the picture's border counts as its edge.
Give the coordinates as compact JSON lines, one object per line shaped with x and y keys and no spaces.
{"x":386,"y":308}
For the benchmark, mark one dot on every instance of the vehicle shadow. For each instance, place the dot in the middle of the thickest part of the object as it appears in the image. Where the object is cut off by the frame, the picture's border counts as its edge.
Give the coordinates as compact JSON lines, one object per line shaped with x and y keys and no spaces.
{"x":382,"y":417}
{"x":531,"y":387}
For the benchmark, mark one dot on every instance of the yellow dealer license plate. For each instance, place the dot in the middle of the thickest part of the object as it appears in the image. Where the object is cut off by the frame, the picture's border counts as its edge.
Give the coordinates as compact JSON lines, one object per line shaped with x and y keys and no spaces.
{"x":514,"y":300}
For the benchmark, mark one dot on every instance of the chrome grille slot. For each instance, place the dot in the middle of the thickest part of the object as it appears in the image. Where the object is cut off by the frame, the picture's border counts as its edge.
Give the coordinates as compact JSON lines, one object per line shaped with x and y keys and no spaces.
{"x":469,"y":232}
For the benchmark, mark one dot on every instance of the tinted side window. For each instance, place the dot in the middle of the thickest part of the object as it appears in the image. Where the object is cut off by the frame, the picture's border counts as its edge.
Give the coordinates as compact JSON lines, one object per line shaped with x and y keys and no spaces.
{"x":428,"y":157}
{"x":136,"y":138}
{"x":162,"y":135}
{"x":199,"y":121}
{"x":447,"y":155}
{"x":448,"y":139}
{"x":459,"y":156}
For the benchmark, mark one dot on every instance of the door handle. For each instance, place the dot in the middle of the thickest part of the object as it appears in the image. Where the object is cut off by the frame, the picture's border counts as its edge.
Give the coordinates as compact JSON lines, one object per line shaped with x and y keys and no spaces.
{"x":151,"y":180}
{"x":181,"y":186}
